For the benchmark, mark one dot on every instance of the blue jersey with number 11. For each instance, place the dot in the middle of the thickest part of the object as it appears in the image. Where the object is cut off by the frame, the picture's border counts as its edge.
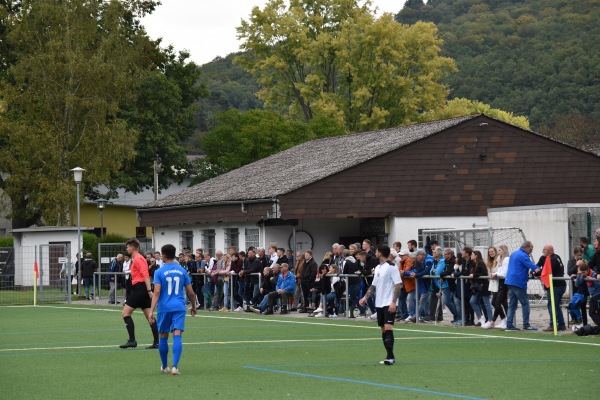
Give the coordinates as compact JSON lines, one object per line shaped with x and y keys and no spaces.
{"x":172,"y":279}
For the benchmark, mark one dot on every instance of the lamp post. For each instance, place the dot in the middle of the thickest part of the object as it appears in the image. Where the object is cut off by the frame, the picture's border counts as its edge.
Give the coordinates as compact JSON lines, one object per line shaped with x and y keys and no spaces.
{"x":101,"y":204}
{"x":77,"y":176}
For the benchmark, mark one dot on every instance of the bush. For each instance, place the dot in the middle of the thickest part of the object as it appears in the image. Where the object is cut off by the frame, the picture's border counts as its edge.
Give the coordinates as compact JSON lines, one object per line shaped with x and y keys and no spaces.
{"x":114,"y":238}
{"x":6,"y":241}
{"x":90,"y":244}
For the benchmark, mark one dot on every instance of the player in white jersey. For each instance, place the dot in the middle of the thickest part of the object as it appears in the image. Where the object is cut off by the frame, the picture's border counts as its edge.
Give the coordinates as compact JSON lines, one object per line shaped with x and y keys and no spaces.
{"x":386,"y":285}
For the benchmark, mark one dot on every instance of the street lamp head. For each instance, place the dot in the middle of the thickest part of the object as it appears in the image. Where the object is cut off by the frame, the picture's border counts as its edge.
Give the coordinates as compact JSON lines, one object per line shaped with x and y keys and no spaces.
{"x":77,"y":174}
{"x":101,"y":203}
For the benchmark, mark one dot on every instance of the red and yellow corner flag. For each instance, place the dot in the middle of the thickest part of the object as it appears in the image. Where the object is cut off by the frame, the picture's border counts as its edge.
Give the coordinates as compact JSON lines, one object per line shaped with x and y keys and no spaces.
{"x":36,"y":270}
{"x":547,"y":272}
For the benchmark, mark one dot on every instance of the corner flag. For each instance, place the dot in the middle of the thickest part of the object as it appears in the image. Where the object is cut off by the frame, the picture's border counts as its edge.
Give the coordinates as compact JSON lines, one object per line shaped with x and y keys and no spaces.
{"x":36,"y":270}
{"x":546,"y":276}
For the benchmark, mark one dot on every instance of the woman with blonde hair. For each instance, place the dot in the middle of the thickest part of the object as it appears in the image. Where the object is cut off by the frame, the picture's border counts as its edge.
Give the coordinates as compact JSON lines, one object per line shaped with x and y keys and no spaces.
{"x":498,"y":288}
{"x":492,"y":254}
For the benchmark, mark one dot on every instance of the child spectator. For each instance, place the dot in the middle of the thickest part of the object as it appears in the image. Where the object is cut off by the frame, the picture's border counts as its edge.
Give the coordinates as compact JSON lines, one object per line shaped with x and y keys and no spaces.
{"x":580,"y":297}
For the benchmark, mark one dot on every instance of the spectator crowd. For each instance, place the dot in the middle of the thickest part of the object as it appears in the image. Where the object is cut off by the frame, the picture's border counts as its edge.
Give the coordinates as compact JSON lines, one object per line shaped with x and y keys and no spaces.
{"x":476,"y":289}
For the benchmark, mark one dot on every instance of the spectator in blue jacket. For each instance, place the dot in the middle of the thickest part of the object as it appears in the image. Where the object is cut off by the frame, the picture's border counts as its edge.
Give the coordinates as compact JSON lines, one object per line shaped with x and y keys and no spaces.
{"x":446,"y":296}
{"x":519,"y":266}
{"x":286,"y":285}
{"x":423,"y":267}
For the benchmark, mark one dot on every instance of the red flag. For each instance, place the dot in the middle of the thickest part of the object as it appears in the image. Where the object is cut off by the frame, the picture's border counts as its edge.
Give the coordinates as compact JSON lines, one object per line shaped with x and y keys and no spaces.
{"x":36,"y":270}
{"x":546,"y":272}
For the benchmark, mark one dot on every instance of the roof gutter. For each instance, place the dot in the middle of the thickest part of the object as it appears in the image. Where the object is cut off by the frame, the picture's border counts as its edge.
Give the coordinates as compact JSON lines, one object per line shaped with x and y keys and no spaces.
{"x":242,"y":203}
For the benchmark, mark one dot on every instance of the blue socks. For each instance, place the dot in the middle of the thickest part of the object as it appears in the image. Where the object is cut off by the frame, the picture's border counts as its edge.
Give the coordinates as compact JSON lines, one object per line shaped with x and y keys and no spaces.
{"x":163,"y":349}
{"x":177,"y":348}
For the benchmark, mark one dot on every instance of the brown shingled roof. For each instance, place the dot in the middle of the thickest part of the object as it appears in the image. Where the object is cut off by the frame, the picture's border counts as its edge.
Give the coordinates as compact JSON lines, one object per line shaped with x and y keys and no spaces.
{"x":302,"y":164}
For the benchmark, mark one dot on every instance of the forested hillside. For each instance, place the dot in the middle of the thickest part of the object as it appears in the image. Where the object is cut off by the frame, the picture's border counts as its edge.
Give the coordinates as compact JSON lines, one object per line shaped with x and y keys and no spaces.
{"x":230,"y":86}
{"x":538,"y":58}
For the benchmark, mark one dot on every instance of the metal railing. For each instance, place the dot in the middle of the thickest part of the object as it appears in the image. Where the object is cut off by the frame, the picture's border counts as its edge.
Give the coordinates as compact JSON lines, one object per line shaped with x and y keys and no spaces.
{"x":345,"y":296}
{"x":99,"y":275}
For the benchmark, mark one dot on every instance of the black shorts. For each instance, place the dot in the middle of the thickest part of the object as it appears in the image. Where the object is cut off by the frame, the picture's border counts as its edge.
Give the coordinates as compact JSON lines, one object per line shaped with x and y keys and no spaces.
{"x":384,"y":317}
{"x":138,"y":297}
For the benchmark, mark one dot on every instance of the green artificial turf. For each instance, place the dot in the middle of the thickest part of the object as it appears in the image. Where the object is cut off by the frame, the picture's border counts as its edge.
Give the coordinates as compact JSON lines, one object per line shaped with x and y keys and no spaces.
{"x":71,"y":352}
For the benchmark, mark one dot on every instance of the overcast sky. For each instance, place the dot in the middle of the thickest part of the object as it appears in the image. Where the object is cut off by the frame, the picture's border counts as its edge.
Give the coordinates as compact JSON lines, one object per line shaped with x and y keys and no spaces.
{"x":206,"y":28}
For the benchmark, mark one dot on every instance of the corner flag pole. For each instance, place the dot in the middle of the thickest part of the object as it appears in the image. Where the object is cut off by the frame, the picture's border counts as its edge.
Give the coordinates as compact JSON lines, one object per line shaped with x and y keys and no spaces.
{"x":36,"y":275}
{"x":552,"y":303}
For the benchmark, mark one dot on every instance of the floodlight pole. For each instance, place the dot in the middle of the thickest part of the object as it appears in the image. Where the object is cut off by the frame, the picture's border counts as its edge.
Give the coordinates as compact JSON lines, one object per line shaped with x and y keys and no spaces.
{"x":77,"y":176}
{"x":101,"y":204}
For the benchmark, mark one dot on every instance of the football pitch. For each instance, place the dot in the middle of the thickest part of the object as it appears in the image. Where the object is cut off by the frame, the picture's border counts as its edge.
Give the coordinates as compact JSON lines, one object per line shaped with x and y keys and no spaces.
{"x":71,"y":352}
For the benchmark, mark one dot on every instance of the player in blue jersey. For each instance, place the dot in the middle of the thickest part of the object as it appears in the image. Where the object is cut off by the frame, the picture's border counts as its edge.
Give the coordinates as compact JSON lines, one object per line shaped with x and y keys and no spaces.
{"x":170,"y":281}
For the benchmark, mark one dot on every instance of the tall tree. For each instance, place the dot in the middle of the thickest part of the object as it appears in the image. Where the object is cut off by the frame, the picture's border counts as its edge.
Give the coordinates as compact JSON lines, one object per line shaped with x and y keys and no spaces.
{"x":577,"y":130}
{"x":164,"y":113}
{"x":83,"y":83}
{"x":336,"y":59}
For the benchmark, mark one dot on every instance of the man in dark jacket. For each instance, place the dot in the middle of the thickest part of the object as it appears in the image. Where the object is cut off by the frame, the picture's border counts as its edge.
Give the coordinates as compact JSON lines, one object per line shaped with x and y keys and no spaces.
{"x":559,"y":286}
{"x":465,"y":270}
{"x":116,"y":265}
{"x":88,"y":268}
{"x":368,"y":263}
{"x":251,"y":266}
{"x":269,"y":282}
{"x":308,"y":276}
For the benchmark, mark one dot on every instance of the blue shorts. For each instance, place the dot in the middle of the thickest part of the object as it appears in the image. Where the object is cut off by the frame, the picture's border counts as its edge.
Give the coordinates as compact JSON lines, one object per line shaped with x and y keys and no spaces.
{"x":169,"y":321}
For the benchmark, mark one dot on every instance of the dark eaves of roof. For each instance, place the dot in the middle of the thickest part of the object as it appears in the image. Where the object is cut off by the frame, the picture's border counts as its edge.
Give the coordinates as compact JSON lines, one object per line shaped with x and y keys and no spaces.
{"x":300,"y":165}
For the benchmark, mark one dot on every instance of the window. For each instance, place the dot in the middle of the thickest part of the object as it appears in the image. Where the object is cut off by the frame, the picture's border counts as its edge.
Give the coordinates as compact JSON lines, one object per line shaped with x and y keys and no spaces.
{"x":140,"y":232}
{"x":232,"y":238}
{"x":186,"y":239}
{"x":252,"y":235}
{"x":208,"y":241}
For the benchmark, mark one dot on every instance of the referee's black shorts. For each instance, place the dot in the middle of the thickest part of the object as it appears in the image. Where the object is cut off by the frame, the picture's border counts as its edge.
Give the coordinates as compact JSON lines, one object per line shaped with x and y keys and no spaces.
{"x":384,"y":317}
{"x":139,"y":297}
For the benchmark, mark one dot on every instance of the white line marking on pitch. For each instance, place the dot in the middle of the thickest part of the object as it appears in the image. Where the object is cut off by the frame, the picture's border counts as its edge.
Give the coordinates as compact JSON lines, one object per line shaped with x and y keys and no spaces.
{"x":228,"y":342}
{"x":285,"y":321}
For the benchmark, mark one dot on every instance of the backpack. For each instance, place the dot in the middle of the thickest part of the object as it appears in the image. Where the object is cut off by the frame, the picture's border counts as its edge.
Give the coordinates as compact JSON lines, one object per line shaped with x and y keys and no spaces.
{"x":587,"y":330}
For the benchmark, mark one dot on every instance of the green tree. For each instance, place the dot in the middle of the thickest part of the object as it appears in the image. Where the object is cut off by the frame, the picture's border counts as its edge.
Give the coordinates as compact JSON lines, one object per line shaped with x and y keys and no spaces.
{"x":163,"y":112}
{"x":336,"y":59}
{"x":230,"y":86}
{"x":537,"y":58}
{"x":244,"y":137}
{"x":74,"y":64}
{"x":241,"y":138}
{"x":577,"y":130}
{"x":461,"y":107}
{"x":85,"y":86}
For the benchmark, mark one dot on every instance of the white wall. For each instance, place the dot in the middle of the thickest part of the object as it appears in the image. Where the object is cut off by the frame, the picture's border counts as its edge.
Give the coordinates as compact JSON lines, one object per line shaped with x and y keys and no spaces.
{"x":324,"y":233}
{"x":404,"y":229}
{"x":170,"y":235}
